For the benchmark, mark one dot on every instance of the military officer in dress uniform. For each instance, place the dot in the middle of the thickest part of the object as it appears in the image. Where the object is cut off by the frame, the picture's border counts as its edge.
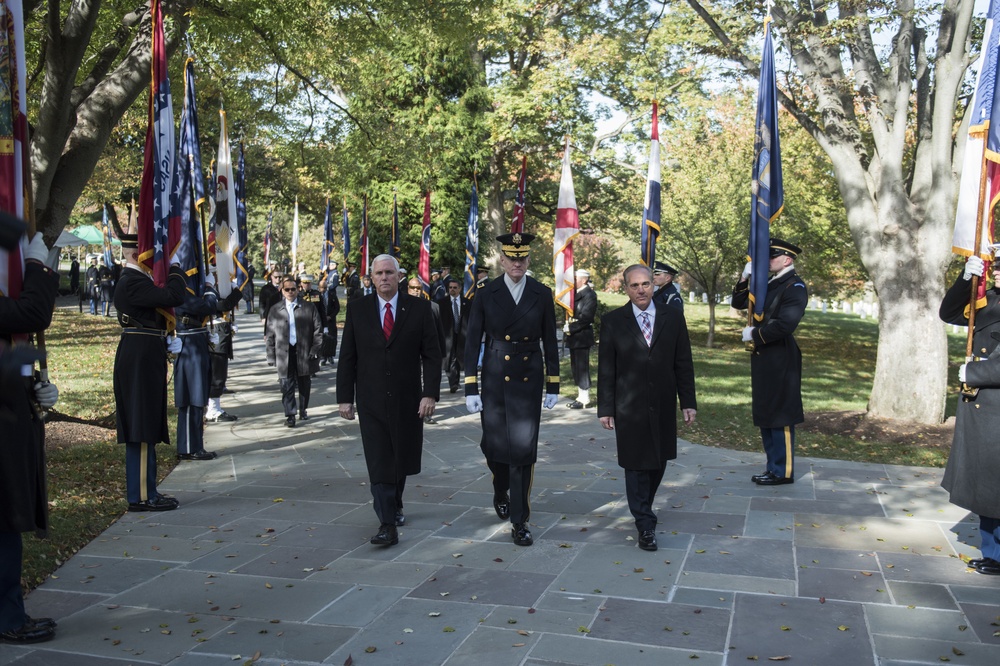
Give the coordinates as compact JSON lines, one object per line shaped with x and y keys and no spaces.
{"x":666,"y":289}
{"x":352,"y":281}
{"x":579,"y":336}
{"x":517,"y":316}
{"x":971,"y":477}
{"x":776,"y":362}
{"x":140,"y":375}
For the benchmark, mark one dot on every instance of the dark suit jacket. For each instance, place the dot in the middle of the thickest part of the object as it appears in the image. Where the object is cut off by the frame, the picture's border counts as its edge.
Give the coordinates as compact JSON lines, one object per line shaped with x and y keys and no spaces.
{"x":388,"y":378}
{"x":581,"y":326}
{"x":308,"y":336}
{"x":452,"y":342}
{"x":639,"y":384}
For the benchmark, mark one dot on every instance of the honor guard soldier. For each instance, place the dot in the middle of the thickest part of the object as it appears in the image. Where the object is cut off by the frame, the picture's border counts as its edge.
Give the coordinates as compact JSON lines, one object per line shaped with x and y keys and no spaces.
{"x":140,"y":375}
{"x":666,"y":289}
{"x":776,"y":362}
{"x":579,"y":336}
{"x":517,"y":316}
{"x":973,"y":470}
{"x":192,"y":368}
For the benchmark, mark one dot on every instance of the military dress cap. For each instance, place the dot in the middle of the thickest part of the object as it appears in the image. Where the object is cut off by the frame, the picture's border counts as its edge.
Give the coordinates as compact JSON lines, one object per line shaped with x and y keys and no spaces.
{"x":661,"y":267}
{"x":780,"y":247}
{"x":435,"y":271}
{"x":515,"y":244}
{"x":305,"y":277}
{"x":581,"y":273}
{"x":480,"y":268}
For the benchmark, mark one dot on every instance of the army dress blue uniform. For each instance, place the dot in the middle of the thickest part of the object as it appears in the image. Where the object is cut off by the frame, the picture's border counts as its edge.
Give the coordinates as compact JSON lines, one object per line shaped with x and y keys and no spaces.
{"x":514,"y":377}
{"x":191,"y":369}
{"x":776,"y":365}
{"x":140,"y":379}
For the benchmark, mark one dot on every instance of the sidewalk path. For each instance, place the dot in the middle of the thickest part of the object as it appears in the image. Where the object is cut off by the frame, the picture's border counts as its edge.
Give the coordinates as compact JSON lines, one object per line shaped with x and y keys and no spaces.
{"x":268,"y":558}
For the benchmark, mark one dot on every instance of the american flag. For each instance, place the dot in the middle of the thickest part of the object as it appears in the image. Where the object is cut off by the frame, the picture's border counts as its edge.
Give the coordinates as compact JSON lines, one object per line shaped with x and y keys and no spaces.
{"x":159,"y":220}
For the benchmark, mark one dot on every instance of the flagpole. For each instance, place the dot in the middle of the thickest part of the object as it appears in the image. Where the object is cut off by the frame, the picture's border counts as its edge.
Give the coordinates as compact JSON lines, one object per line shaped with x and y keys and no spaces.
{"x":974,"y":290}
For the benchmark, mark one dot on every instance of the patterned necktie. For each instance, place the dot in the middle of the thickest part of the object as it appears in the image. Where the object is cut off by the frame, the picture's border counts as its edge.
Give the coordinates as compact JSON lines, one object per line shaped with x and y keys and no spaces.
{"x":388,"y":321}
{"x":456,"y":313}
{"x":647,"y":330}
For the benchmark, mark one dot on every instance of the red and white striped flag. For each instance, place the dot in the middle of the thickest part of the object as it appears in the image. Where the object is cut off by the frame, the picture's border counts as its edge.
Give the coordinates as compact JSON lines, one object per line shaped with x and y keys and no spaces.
{"x":14,"y":170}
{"x":567,"y":228}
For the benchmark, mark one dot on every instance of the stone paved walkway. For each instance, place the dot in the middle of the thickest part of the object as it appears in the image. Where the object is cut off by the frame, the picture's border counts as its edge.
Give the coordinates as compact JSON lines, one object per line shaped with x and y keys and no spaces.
{"x":268,"y":558}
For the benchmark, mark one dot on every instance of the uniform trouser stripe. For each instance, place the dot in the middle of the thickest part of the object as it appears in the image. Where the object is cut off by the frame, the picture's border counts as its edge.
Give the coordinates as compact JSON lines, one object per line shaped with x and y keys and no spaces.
{"x":779,"y":445}
{"x":789,"y":455}
{"x":143,"y":471}
{"x":140,"y":471}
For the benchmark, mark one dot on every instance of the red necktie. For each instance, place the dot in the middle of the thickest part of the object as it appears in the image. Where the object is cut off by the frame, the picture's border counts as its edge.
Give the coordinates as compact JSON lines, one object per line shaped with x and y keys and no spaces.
{"x":387,"y":322}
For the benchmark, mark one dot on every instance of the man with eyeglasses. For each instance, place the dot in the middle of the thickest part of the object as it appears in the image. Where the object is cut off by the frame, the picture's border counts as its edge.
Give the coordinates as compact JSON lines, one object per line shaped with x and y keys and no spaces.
{"x":294,"y":334}
{"x":517,"y":316}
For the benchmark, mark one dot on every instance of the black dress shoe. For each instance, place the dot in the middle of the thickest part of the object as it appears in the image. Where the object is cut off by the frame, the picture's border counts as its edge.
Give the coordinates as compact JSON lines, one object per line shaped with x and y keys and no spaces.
{"x":290,"y":421}
{"x":43,"y":622}
{"x":757,"y":477}
{"x":647,"y":540}
{"x":223,"y":417}
{"x":400,"y":519}
{"x":387,"y":536}
{"x":576,"y":404}
{"x":198,"y":455}
{"x":453,"y":389}
{"x":158,"y":503}
{"x":972,"y":564}
{"x":988,"y":566}
{"x":770,"y":479}
{"x":303,"y":415}
{"x":29,"y":633}
{"x":226,"y":389}
{"x":502,"y":506}
{"x":520,"y":534}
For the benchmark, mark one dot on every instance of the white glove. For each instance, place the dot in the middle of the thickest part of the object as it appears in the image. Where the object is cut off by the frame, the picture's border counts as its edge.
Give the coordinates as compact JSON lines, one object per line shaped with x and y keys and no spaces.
{"x":46,"y":394}
{"x":213,"y":338}
{"x":474,"y":404}
{"x":326,"y":330}
{"x":174,"y":344}
{"x":748,"y":334}
{"x":746,"y":271}
{"x":961,"y":372}
{"x":550,"y":400}
{"x":974,"y":266}
{"x":36,"y":249}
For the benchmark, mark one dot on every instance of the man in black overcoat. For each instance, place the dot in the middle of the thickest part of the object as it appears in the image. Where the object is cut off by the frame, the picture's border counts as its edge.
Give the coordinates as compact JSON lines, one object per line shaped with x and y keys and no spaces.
{"x":93,"y":286}
{"x":352,"y":282}
{"x":270,"y":293}
{"x":140,"y":375}
{"x":776,"y":361}
{"x":972,"y":476}
{"x":455,"y":328}
{"x":390,"y":362}
{"x":579,"y":337}
{"x":517,"y":316}
{"x":248,"y":288}
{"x":644,"y":368}
{"x":294,"y":336}
{"x":23,"y":498}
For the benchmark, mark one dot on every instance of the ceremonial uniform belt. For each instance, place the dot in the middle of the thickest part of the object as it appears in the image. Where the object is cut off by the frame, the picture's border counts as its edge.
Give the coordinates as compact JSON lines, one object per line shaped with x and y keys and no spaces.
{"x":192,"y":321}
{"x":515,"y":347}
{"x":131,"y":330}
{"x":192,"y":331}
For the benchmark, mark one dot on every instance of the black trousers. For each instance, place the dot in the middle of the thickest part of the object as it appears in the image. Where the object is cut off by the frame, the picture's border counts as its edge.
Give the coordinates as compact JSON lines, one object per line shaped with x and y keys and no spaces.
{"x":218,"y":372}
{"x":388,"y":500}
{"x":454,"y":363}
{"x":640,"y":489}
{"x":515,"y":479}
{"x":140,"y":471}
{"x":579,"y":360}
{"x":190,"y":429}
{"x":290,"y":382}
{"x":12,"y":615}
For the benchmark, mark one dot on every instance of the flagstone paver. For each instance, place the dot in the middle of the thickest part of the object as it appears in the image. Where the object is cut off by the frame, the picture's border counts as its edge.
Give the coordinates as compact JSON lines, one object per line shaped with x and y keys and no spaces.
{"x":856,"y":563}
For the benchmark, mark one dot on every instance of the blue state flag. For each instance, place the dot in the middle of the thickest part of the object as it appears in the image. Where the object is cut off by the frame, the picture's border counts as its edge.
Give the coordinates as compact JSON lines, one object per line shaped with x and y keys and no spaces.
{"x":326,"y":256}
{"x":190,"y":249}
{"x":650,"y":229}
{"x":471,"y":245}
{"x":767,"y":193}
{"x":243,"y":238}
{"x":345,"y":234}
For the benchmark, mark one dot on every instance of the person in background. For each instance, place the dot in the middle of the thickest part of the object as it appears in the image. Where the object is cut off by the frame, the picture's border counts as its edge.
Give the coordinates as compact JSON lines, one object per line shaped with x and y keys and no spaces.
{"x":248,"y":289}
{"x":455,"y":322}
{"x":270,"y":293}
{"x":579,"y":332}
{"x":293,"y":336}
{"x":23,"y":496}
{"x":667,"y":292}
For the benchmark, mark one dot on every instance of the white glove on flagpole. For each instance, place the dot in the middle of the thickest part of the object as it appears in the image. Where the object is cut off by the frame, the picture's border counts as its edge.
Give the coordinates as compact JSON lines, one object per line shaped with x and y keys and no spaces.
{"x":973,"y":266}
{"x":174,"y":344}
{"x":46,"y":394}
{"x":748,"y":334}
{"x":474,"y":404}
{"x":961,"y":372}
{"x":746,"y":271}
{"x":36,"y":249}
{"x":550,"y":400}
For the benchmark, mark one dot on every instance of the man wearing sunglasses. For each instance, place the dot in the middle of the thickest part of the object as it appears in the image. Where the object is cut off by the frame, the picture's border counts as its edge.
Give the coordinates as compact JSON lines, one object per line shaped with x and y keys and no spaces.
{"x":294,"y":334}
